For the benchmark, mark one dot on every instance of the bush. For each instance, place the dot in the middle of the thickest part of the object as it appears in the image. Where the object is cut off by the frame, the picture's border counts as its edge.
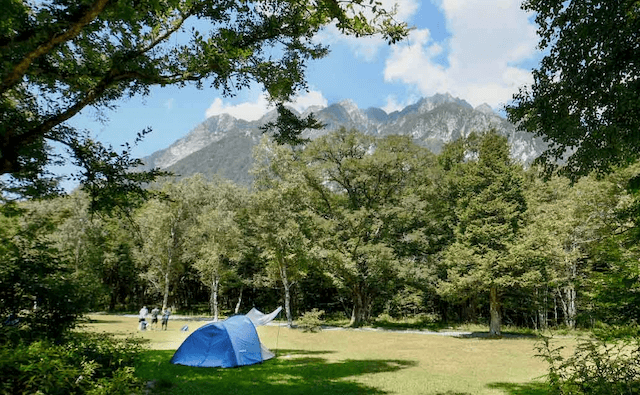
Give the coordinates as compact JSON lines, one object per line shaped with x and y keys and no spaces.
{"x":418,"y":321}
{"x":596,"y":367}
{"x":39,"y":289}
{"x":407,"y":302}
{"x":607,"y":332}
{"x":94,"y":364}
{"x":311,"y":321}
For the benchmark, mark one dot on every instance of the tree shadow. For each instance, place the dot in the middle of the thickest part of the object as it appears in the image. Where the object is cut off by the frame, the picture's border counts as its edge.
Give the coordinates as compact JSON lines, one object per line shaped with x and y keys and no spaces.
{"x":285,"y":375}
{"x":535,"y":388}
{"x":98,"y":321}
{"x":503,"y":336}
{"x":417,"y":325}
{"x":289,"y":352}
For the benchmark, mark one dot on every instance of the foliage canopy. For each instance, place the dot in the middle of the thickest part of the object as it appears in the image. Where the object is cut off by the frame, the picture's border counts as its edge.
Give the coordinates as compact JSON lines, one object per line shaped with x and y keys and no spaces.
{"x":584,"y":99}
{"x":61,"y":56}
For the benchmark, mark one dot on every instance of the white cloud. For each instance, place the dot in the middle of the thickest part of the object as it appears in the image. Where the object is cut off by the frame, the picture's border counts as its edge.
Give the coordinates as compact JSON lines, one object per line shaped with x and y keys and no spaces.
{"x":308,"y":99}
{"x":169,"y":104}
{"x":367,"y":48}
{"x":488,"y":40}
{"x":393,"y":104}
{"x":254,"y":110}
{"x":249,"y":111}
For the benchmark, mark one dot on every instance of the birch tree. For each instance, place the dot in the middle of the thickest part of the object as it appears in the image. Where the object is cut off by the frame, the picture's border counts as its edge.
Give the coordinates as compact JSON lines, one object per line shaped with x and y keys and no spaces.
{"x":216,"y":238}
{"x":164,"y":227}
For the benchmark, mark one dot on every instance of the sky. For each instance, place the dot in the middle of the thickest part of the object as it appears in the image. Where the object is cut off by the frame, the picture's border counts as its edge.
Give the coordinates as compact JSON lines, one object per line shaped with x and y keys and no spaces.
{"x":481,"y":51}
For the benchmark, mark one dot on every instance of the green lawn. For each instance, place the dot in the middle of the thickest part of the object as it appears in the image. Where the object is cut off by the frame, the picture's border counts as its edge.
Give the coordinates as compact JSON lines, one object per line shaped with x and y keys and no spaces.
{"x":346,"y":362}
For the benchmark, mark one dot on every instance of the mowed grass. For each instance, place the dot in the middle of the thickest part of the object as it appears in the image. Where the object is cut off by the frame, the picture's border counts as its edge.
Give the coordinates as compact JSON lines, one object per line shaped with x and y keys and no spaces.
{"x":345,"y":362}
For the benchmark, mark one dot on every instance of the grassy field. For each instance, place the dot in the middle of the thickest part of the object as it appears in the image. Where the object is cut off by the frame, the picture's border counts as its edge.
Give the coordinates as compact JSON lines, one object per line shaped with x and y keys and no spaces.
{"x":345,"y":362}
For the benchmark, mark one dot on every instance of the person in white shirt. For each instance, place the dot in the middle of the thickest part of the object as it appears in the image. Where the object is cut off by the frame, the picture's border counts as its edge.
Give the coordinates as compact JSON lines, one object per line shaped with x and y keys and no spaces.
{"x":142,"y":318}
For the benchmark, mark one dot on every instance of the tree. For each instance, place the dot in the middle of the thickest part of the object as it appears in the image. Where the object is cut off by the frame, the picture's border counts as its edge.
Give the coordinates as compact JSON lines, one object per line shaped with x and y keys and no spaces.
{"x":280,"y":229}
{"x":99,"y":248}
{"x":216,"y":238}
{"x":280,"y":223}
{"x":614,"y":254}
{"x":490,"y":214}
{"x":356,"y":183}
{"x":164,"y":229}
{"x":61,"y":56}
{"x":39,"y":290}
{"x":584,"y":100}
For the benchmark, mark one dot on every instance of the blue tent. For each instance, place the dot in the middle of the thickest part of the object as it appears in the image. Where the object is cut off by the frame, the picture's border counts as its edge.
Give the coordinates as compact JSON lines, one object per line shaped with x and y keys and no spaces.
{"x":229,"y":343}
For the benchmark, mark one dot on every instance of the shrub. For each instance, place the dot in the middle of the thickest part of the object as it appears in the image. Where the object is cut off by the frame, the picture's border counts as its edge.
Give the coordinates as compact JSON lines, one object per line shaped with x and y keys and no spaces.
{"x":596,"y":367}
{"x":311,"y":321}
{"x":94,"y":364}
{"x":607,"y":332}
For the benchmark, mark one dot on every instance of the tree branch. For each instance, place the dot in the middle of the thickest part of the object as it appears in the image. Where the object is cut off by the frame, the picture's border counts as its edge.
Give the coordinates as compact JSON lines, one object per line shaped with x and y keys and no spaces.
{"x":111,"y":78}
{"x":20,"y":69}
{"x":176,"y":25}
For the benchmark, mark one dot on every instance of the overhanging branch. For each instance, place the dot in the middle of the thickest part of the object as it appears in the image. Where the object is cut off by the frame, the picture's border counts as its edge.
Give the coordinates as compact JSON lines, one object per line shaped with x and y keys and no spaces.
{"x":21,"y":68}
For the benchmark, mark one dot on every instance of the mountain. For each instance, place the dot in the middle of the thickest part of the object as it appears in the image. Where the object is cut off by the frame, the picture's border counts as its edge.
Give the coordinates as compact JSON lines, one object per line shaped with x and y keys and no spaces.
{"x":223,"y":144}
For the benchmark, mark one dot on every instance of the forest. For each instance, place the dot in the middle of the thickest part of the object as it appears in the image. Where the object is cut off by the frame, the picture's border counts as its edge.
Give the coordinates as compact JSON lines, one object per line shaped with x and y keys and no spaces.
{"x":354,"y":225}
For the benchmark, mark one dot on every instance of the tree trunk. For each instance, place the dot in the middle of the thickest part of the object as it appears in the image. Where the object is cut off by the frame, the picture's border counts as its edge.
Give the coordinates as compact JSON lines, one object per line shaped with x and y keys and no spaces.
{"x":213,"y":298}
{"x":287,"y":294}
{"x":494,"y":310}
{"x":237,"y":310}
{"x":170,"y":250}
{"x":568,"y":299}
{"x":113,"y":300}
{"x":359,"y":312}
{"x":570,"y":306}
{"x":555,"y":309}
{"x":542,"y":308}
{"x":165,"y":297}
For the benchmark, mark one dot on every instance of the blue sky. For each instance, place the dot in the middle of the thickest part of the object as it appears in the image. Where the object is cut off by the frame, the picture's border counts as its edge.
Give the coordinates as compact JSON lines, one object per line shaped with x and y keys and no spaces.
{"x":478,"y":50}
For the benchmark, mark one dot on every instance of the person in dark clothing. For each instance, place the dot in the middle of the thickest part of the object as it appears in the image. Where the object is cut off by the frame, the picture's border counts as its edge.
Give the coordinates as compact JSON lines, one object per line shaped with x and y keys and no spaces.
{"x":154,"y":318}
{"x":165,"y":318}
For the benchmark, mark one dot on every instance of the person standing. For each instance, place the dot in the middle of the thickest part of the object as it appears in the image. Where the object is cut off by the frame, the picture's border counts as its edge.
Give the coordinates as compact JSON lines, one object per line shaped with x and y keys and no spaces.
{"x":142,"y":318}
{"x":165,"y":318}
{"x":154,"y":318}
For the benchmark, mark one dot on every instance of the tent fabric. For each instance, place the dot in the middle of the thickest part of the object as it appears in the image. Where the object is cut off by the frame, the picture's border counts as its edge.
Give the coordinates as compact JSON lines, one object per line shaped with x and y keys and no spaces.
{"x":266,"y":353}
{"x":229,"y":343}
{"x":258,"y":318}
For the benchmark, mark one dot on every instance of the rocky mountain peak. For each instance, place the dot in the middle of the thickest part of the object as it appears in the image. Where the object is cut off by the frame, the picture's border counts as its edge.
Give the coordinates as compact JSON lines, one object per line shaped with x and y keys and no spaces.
{"x":485,"y":108}
{"x":223,"y":144}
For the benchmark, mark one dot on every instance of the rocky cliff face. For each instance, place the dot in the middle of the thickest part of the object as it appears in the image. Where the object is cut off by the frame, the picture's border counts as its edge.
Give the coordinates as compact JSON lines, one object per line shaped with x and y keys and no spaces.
{"x":223,"y":144}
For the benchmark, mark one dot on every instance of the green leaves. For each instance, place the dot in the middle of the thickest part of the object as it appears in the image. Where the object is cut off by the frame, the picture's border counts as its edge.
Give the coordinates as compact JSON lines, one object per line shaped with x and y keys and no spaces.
{"x":58,"y":58}
{"x":288,"y":127}
{"x":109,"y":177}
{"x":584,"y":99}
{"x":355,"y":183}
{"x":490,"y":211}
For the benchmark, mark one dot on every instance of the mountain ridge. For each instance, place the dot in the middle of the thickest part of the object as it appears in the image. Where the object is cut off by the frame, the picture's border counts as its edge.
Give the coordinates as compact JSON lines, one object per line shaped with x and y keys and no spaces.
{"x":223,"y":144}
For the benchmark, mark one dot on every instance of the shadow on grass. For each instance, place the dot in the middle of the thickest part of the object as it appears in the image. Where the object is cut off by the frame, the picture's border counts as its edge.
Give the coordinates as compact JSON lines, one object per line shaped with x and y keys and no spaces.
{"x":287,"y":353}
{"x":521,"y":389}
{"x":97,"y":321}
{"x":285,"y":375}
{"x":412,"y":325}
{"x":505,"y":335}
